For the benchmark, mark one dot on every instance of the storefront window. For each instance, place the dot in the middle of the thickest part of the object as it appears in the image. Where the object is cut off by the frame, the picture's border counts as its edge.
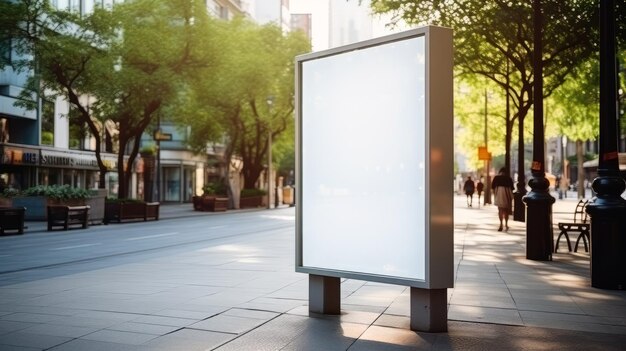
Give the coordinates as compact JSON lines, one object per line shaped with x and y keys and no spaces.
{"x":190,"y":176}
{"x":67,"y":177}
{"x":171,"y":181}
{"x":54,"y":176}
{"x":91,"y":180}
{"x":112,"y":184}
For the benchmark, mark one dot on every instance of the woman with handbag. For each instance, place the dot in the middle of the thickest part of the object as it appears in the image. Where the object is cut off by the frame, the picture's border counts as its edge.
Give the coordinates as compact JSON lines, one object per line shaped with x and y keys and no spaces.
{"x":502,"y":186}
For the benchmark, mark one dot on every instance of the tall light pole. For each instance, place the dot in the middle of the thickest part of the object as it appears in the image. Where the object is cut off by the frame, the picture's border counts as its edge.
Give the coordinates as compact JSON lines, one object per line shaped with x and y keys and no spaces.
{"x":608,"y":209}
{"x":487,"y":166}
{"x":539,"y":242}
{"x":270,"y":102}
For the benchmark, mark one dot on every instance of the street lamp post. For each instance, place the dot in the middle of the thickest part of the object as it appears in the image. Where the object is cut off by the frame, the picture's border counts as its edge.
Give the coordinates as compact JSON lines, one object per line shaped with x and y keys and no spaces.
{"x":487,"y":162}
{"x":608,"y":209}
{"x":270,"y":102}
{"x":539,"y":242}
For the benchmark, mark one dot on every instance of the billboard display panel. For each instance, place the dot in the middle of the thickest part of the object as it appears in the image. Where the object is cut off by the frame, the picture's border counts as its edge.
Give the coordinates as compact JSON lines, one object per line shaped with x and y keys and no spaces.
{"x":364,"y":155}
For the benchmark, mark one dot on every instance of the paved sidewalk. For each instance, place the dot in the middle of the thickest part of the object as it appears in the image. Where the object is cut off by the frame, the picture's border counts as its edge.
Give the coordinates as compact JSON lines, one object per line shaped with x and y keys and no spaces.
{"x":243,"y":294}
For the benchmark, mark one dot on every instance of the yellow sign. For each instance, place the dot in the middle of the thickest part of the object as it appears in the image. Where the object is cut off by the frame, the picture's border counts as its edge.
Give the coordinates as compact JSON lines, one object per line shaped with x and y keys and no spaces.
{"x":483,"y":153}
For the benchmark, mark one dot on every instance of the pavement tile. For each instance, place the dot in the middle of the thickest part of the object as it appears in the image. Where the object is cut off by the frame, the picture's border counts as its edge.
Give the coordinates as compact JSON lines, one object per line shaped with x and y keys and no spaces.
{"x":252,"y":314}
{"x":10,"y":326}
{"x":484,"y":315}
{"x":393,"y":321}
{"x":92,"y":345}
{"x":187,"y":314}
{"x":18,"y":348}
{"x":228,"y":324}
{"x":119,"y":337}
{"x":61,"y":330}
{"x":188,"y":340}
{"x":143,"y":328}
{"x":20,"y":338}
{"x":385,"y":338}
{"x":29,"y":317}
{"x":168,"y":321}
{"x":274,"y":335}
{"x":321,"y":334}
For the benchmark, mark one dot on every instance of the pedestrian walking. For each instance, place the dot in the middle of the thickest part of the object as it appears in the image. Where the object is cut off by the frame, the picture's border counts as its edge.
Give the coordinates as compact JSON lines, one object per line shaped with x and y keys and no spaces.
{"x":502,"y":186}
{"x":563,"y":186}
{"x":479,"y":189}
{"x":468,"y":187}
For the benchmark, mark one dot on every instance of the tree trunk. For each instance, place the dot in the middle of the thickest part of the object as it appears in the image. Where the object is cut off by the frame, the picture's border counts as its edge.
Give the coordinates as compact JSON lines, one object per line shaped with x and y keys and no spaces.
{"x":581,"y":170}
{"x":507,"y":145}
{"x":250,"y":176}
{"x":101,"y":179}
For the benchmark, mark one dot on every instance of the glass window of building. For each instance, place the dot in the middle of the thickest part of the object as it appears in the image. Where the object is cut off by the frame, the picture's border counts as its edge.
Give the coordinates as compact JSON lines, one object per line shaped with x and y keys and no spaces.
{"x":190,"y":184}
{"x":47,"y":123}
{"x":61,"y":4}
{"x":67,"y":177}
{"x":78,"y":131}
{"x":74,"y":6}
{"x":5,"y":51}
{"x":171,"y":183}
{"x":88,"y":6}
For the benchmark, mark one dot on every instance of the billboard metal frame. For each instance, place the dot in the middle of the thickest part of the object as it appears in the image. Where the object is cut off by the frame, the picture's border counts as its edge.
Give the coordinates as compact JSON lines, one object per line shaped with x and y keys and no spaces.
{"x":439,"y":228}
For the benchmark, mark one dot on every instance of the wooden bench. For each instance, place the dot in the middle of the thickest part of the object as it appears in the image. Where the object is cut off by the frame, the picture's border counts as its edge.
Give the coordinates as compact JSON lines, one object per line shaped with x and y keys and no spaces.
{"x":12,"y":218}
{"x":64,"y":216}
{"x":579,"y":226}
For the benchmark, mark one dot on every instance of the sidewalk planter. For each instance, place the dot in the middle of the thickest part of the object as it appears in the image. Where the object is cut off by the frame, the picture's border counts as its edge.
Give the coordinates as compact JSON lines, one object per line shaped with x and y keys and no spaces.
{"x":251,"y":202}
{"x":37,"y":199}
{"x":96,"y":203}
{"x":252,"y":198}
{"x":6,"y":202}
{"x":130,"y":210}
{"x":36,"y":206}
{"x":210,"y":203}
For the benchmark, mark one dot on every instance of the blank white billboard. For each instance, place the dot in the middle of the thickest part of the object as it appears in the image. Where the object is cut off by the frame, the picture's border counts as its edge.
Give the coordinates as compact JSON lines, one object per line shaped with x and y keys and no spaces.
{"x":364,"y":160}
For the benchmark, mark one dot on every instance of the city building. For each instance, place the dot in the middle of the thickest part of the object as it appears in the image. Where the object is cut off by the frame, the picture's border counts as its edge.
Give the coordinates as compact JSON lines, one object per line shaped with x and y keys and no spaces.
{"x":302,"y":22}
{"x":41,"y":146}
{"x":272,"y":11}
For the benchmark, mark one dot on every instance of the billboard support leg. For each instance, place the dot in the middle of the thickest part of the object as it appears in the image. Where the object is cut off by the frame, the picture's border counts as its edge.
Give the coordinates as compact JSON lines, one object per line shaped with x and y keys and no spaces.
{"x":429,"y":310}
{"x":324,"y":294}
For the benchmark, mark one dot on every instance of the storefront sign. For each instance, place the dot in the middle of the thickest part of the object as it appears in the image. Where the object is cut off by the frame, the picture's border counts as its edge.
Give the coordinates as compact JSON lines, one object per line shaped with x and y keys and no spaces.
{"x":75,"y":160}
{"x":19,"y":156}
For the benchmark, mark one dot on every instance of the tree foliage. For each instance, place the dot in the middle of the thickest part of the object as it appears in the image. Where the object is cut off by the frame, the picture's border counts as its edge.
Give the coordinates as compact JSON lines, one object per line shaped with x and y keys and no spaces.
{"x":130,"y":61}
{"x":250,"y":95}
{"x":493,"y":36}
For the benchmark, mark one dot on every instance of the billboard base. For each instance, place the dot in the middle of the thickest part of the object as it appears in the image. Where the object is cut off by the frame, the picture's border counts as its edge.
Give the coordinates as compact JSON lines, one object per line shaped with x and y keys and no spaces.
{"x":429,"y":307}
{"x":324,"y":294}
{"x":429,"y":310}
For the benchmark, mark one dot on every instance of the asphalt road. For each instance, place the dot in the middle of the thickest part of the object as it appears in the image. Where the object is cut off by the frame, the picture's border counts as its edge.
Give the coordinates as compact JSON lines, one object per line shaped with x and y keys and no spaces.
{"x":35,"y":255}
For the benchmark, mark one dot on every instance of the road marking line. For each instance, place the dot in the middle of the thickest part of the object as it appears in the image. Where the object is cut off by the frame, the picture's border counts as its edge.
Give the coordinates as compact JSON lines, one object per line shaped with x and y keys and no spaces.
{"x":150,"y":236}
{"x":74,"y":247}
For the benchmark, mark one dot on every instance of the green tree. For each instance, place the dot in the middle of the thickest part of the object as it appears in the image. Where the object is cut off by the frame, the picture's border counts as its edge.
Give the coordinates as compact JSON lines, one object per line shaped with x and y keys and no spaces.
{"x":494,"y":40}
{"x":250,"y":95}
{"x":578,"y":110}
{"x":61,"y":49}
{"x":132,"y":60}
